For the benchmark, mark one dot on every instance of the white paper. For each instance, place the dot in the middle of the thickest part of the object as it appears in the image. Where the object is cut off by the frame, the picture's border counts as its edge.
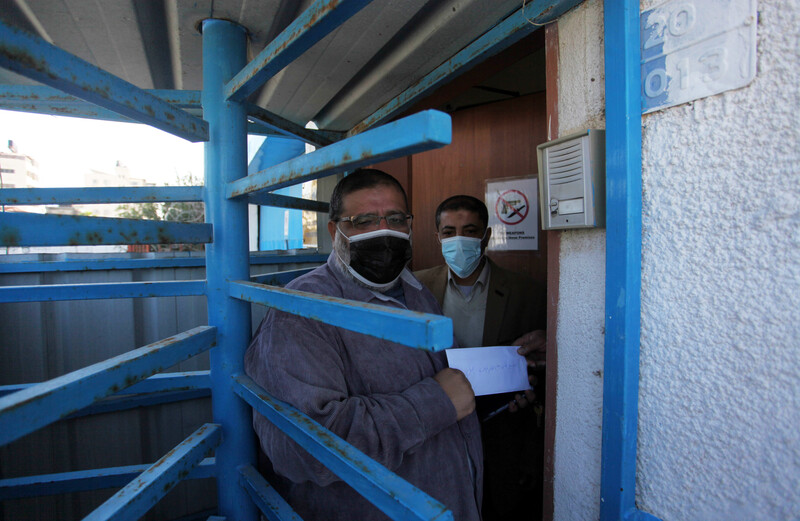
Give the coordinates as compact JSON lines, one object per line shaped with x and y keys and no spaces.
{"x":491,"y":370}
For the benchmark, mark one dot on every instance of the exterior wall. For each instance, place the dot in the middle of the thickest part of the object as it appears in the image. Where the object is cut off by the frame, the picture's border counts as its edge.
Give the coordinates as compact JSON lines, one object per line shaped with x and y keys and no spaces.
{"x":720,"y":377}
{"x":579,"y":408}
{"x":720,"y":338}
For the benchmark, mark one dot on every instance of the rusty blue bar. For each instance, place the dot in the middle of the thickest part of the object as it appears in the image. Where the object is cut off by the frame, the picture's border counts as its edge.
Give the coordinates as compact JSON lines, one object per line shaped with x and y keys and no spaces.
{"x":141,"y":494}
{"x":410,"y":328}
{"x":224,"y":54}
{"x":9,"y":264}
{"x":500,"y":37}
{"x":82,"y":480}
{"x":187,"y":380}
{"x":100,"y":195}
{"x":387,"y":491}
{"x":40,"y":99}
{"x":284,"y":127}
{"x":30,"y":409}
{"x":11,"y":94}
{"x":110,"y":290}
{"x":279,"y":278}
{"x":25,"y":229}
{"x":416,"y":133}
{"x":271,"y":504}
{"x":321,"y":17}
{"x":286,"y":201}
{"x":39,"y":60}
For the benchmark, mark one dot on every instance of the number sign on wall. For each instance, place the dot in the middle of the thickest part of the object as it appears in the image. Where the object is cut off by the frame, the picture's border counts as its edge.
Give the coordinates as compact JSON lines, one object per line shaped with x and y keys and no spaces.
{"x":694,"y":49}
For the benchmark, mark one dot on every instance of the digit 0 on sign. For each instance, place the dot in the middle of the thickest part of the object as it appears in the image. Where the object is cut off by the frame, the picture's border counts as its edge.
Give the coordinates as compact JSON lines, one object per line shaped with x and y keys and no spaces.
{"x":655,"y":83}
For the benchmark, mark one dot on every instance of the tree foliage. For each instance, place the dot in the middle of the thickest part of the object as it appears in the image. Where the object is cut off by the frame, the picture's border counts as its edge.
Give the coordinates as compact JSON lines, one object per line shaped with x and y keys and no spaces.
{"x":187,"y":212}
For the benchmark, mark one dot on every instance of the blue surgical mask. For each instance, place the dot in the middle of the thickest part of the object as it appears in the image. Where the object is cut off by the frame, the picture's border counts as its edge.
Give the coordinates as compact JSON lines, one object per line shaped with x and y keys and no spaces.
{"x":462,"y":254}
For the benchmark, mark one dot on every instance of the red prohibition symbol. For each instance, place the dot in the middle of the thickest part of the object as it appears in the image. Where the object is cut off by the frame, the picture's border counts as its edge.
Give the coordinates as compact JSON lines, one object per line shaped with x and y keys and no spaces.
{"x":511,"y":207}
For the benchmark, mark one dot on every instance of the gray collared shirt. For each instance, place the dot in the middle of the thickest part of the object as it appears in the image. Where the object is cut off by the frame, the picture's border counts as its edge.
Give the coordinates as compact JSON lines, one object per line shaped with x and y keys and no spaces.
{"x":379,"y":396}
{"x":467,"y":310}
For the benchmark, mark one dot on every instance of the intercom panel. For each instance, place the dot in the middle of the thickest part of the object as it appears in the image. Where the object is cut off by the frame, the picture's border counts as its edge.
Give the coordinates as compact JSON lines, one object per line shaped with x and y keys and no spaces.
{"x":572,"y":181}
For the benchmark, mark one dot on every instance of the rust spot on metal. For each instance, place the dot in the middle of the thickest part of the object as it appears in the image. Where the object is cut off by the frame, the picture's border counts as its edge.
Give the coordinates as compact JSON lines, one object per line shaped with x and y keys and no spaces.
{"x":94,"y":238}
{"x":170,"y":116}
{"x":10,"y":236}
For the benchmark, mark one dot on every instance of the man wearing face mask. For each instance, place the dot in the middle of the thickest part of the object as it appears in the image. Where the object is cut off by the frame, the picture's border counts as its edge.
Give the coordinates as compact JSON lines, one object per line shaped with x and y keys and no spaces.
{"x":492,"y":306}
{"x":400,"y":406}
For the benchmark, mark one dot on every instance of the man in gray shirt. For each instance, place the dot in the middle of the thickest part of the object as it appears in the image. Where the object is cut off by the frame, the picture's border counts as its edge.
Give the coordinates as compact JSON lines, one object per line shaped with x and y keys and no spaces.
{"x":400,"y":406}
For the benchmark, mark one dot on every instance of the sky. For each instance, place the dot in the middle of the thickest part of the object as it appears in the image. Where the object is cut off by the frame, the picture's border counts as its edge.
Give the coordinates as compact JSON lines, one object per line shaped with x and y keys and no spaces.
{"x":66,"y":147}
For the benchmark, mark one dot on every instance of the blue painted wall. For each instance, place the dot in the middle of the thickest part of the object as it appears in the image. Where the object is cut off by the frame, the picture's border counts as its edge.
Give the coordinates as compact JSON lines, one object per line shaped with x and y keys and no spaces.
{"x":279,"y":228}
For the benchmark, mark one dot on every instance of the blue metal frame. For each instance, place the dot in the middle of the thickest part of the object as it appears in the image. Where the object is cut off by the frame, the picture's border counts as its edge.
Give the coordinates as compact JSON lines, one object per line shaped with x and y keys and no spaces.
{"x":33,"y":57}
{"x":25,"y":229}
{"x":31,"y":409}
{"x":509,"y":31}
{"x":257,"y":259}
{"x":417,"y":133}
{"x":56,"y":292}
{"x":318,"y":20}
{"x":227,"y":79}
{"x":394,"y":496}
{"x":224,"y":52}
{"x":63,"y":482}
{"x":138,"y":496}
{"x":47,"y":100}
{"x":623,"y":261}
{"x":411,"y":328}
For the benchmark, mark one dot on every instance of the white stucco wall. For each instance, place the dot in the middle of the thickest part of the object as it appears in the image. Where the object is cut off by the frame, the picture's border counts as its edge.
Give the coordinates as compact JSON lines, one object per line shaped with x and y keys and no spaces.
{"x":719,"y":424}
{"x":576,"y":485}
{"x":719,"y":427}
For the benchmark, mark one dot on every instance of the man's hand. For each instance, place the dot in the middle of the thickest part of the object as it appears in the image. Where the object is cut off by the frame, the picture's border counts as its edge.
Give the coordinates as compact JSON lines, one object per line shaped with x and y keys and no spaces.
{"x":521,"y":401}
{"x":533,"y":346}
{"x":458,"y":389}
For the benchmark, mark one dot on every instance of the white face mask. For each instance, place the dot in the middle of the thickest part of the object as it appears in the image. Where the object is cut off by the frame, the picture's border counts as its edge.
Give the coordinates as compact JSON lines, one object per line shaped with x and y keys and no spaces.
{"x":462,"y":254}
{"x":375,"y":258}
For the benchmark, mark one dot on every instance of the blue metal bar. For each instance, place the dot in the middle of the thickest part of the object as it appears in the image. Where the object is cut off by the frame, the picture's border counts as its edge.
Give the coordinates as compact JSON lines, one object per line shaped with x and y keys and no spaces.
{"x":9,"y":264}
{"x":623,"y":260}
{"x":287,"y":128}
{"x":500,"y":37}
{"x":124,"y":403}
{"x":24,"y":229}
{"x":279,"y":278}
{"x":416,"y":133}
{"x":40,"y":99}
{"x":410,"y":328}
{"x":131,"y":194}
{"x":185,"y":381}
{"x":111,"y":290}
{"x":33,"y":408}
{"x":11,"y":94}
{"x":321,"y":17}
{"x":271,"y":504}
{"x":391,"y":494}
{"x":147,"y":489}
{"x":82,"y":480}
{"x":285,"y":201}
{"x":34,"y":58}
{"x":224,"y":53}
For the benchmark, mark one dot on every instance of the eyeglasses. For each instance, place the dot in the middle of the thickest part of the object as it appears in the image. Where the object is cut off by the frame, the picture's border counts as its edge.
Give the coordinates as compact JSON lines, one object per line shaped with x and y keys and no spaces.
{"x":395,"y":221}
